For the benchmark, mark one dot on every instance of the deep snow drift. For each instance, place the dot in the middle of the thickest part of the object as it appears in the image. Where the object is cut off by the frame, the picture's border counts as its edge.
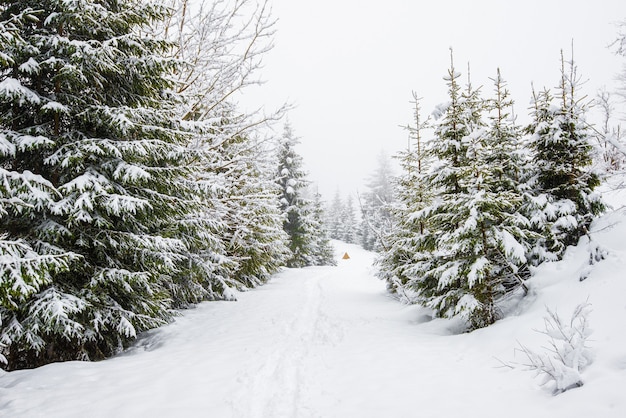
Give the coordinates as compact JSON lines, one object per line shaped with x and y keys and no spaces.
{"x":329,"y":342}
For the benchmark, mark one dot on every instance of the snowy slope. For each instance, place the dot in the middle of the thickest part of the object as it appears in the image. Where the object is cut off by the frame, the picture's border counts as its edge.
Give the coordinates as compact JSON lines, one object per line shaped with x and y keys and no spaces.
{"x":329,"y":342}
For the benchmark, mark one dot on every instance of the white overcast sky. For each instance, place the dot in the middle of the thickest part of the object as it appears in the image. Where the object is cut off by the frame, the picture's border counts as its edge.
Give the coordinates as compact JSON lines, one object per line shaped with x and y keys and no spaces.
{"x":350,"y":66}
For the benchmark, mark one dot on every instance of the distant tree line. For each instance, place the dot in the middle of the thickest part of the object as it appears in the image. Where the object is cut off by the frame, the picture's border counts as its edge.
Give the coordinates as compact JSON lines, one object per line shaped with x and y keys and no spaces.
{"x":363,"y":220}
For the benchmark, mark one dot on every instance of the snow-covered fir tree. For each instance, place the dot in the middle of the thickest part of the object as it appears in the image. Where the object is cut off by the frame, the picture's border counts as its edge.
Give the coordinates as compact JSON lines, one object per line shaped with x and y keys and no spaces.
{"x":333,"y":217}
{"x":562,"y":203}
{"x":256,"y":238}
{"x":478,"y":207}
{"x":203,"y":191}
{"x":246,"y":242}
{"x":505,"y":163}
{"x":348,"y":221}
{"x":28,"y":264}
{"x":496,"y":233}
{"x":403,"y":246}
{"x":88,"y":131}
{"x":323,"y":251}
{"x":435,"y":275}
{"x":341,"y":219}
{"x":376,"y":204}
{"x":457,"y":279}
{"x":242,"y":239}
{"x":302,"y":220}
{"x":466,"y":247}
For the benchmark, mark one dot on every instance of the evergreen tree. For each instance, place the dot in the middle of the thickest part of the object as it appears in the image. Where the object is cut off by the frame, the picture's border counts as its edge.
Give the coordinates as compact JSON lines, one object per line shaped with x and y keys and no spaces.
{"x":349,"y":226}
{"x":375,"y":205}
{"x":308,"y":244}
{"x":506,"y":162}
{"x":91,"y":161}
{"x":27,"y":264}
{"x":455,"y":280}
{"x":207,"y":273}
{"x":242,"y":200}
{"x":407,"y":243}
{"x":562,"y":204}
{"x":323,"y":252}
{"x":341,"y":220}
{"x":434,"y":275}
{"x":473,"y":211}
{"x":333,"y":218}
{"x":473,"y":251}
{"x":236,"y":237}
{"x":292,"y":181}
{"x":505,"y":147}
{"x":537,"y":207}
{"x":256,"y":239}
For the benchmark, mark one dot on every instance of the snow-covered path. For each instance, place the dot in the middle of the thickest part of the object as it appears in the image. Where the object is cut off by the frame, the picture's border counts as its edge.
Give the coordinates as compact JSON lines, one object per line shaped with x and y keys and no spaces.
{"x":315,"y":342}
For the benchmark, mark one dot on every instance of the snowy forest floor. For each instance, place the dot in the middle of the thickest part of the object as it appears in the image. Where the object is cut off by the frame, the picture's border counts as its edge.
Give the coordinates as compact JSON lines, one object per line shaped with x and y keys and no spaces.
{"x":329,"y":342}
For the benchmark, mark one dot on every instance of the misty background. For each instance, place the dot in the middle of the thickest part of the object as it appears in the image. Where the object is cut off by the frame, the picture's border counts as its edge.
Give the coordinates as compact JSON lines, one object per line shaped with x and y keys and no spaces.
{"x":350,"y":67}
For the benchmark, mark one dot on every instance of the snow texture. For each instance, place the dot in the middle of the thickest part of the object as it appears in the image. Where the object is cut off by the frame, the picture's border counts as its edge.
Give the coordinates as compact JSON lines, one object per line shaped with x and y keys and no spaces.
{"x":329,"y":342}
{"x":11,"y":88}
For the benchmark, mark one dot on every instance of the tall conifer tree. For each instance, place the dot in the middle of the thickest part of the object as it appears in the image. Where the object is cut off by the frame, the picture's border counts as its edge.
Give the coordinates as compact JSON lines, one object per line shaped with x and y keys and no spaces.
{"x":376,"y":205}
{"x":407,"y":244}
{"x":472,"y":251}
{"x":323,"y":251}
{"x":563,"y":203}
{"x":86,"y":120}
{"x":292,"y":181}
{"x":308,"y":244}
{"x":255,"y":238}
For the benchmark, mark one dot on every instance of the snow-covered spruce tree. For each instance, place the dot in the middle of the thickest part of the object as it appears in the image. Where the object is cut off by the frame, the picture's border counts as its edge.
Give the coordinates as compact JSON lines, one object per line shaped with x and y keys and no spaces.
{"x":205,"y":272}
{"x":341,"y":219}
{"x":241,"y":234}
{"x":435,"y":275}
{"x":562,"y":202}
{"x":349,"y":224}
{"x":219,"y":45}
{"x":505,"y":160}
{"x":323,"y":251}
{"x":477,"y":253}
{"x":292,"y":181}
{"x":255,"y":238}
{"x":91,"y":147}
{"x":27,"y":264}
{"x":375,"y":205}
{"x":536,"y":205}
{"x":407,"y":242}
{"x":333,"y":217}
{"x":301,"y":222}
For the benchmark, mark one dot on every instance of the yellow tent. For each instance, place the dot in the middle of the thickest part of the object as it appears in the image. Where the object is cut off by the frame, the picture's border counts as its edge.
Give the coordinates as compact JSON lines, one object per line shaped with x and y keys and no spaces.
{"x":345,"y":256}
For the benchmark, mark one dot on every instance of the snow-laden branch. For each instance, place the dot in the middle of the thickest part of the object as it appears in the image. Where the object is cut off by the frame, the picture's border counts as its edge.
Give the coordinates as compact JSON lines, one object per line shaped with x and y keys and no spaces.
{"x":220,"y":44}
{"x":567,"y":354}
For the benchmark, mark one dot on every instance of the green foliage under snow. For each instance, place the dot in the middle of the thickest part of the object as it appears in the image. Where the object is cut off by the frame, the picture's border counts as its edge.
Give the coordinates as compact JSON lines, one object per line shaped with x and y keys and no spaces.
{"x":479,"y":203}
